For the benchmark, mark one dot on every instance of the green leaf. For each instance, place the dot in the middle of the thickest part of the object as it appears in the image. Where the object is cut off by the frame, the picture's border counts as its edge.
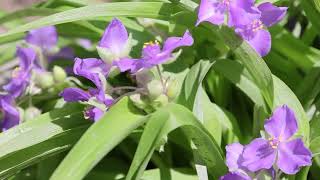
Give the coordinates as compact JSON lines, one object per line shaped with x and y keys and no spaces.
{"x":309,"y":88}
{"x":99,"y":140}
{"x":192,"y":82}
{"x":183,"y":174}
{"x":255,"y":65}
{"x":49,"y":134}
{"x":25,"y":13}
{"x":126,"y":9}
{"x":166,"y":120}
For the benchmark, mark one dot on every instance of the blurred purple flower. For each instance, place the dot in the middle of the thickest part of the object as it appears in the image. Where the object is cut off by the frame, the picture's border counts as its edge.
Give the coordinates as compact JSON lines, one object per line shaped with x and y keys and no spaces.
{"x":288,"y":154}
{"x":254,"y":31}
{"x":22,"y":74}
{"x":238,"y":11}
{"x":153,"y":55}
{"x":45,"y":37}
{"x":96,"y":71}
{"x":11,"y":115}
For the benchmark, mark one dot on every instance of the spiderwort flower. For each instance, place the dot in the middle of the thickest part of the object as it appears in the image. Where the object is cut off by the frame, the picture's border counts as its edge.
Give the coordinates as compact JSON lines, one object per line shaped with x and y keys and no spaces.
{"x":153,"y":55}
{"x":254,"y":31}
{"x":115,"y":43}
{"x":45,"y":38}
{"x":21,"y":75}
{"x":280,"y":149}
{"x":238,"y":11}
{"x":11,"y":115}
{"x":95,"y":70}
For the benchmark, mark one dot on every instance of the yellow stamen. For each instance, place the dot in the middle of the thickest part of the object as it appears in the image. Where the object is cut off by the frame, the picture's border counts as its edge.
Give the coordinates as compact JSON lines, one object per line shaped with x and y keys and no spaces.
{"x":15,"y":72}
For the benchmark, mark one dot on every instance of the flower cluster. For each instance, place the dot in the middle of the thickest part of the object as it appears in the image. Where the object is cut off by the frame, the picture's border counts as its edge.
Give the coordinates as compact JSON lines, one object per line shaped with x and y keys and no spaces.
{"x":114,"y":49}
{"x":278,"y":152}
{"x":249,"y":21}
{"x":31,"y":75}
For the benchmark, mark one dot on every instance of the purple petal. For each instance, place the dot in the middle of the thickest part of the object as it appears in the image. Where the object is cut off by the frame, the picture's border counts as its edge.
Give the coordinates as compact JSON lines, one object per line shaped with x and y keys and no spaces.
{"x":235,"y":176}
{"x":17,"y":85}
{"x":211,"y":11}
{"x":27,"y":57}
{"x":11,"y":115}
{"x":126,"y":64}
{"x":174,"y":42}
{"x":258,"y":155}
{"x":242,"y":12}
{"x":282,"y":124}
{"x":271,"y":14}
{"x":94,"y":113}
{"x":261,"y":42}
{"x":115,"y":37}
{"x":91,"y":68}
{"x":85,"y":43}
{"x":74,"y":95}
{"x":292,"y":155}
{"x":45,"y":38}
{"x":234,"y":151}
{"x":64,"y":53}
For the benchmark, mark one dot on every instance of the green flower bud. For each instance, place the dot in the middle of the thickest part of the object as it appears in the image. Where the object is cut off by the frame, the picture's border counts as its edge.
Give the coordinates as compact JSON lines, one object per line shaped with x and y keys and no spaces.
{"x":59,"y":74}
{"x":155,"y":89}
{"x":44,"y":80}
{"x":30,"y":113}
{"x":162,"y":100}
{"x":173,"y":89}
{"x":137,"y":101}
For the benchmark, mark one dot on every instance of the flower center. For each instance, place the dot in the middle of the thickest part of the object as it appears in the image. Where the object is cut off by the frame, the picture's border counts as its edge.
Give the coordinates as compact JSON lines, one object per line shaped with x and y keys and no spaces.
{"x":256,"y":25}
{"x":151,"y":49}
{"x":15,"y":72}
{"x":226,"y":2}
{"x":151,"y":43}
{"x":274,"y":142}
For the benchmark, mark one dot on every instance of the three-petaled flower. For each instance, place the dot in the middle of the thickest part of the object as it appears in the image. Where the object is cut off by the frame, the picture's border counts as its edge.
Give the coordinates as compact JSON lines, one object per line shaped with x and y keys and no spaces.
{"x":278,"y":151}
{"x":249,"y":22}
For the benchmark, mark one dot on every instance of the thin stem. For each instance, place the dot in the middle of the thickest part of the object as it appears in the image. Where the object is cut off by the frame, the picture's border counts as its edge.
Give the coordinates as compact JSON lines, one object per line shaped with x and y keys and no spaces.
{"x":161,"y":78}
{"x":124,"y":88}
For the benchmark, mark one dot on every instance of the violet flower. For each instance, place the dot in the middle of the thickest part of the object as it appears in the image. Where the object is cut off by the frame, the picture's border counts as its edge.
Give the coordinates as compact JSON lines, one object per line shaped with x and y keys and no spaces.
{"x":238,"y":11}
{"x":95,"y":70}
{"x":255,"y":33}
{"x":21,"y":75}
{"x":115,"y":43}
{"x":45,"y":38}
{"x":11,"y":115}
{"x":280,"y":149}
{"x":153,"y":55}
{"x":234,"y":163}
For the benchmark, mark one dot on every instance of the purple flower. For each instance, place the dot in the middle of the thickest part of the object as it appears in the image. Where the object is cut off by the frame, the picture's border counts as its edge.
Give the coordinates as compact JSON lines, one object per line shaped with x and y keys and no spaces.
{"x":11,"y":115}
{"x":115,"y":43}
{"x":21,"y":75}
{"x":153,"y":55}
{"x":234,"y":159}
{"x":45,"y":38}
{"x":238,"y":11}
{"x":254,"y":31}
{"x":96,"y":71}
{"x":288,"y":154}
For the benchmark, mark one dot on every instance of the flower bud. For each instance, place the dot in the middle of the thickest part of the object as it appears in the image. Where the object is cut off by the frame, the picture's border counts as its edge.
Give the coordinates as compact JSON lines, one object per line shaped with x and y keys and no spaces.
{"x":30,"y":113}
{"x":162,"y":100}
{"x":59,"y":74}
{"x":44,"y":80}
{"x":172,"y":89}
{"x":137,"y":101}
{"x":155,"y":89}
